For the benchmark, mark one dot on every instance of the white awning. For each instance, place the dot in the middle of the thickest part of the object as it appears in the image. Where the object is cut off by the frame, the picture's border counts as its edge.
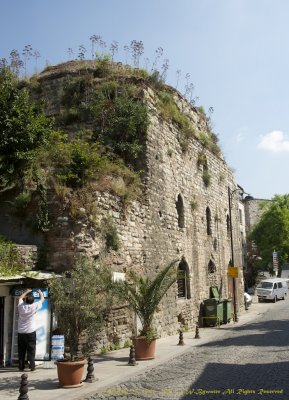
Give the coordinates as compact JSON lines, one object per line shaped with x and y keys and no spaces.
{"x":37,"y":275}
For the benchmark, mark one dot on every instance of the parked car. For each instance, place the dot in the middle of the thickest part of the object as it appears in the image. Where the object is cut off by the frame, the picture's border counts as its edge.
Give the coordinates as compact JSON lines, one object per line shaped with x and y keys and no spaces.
{"x":272,"y":289}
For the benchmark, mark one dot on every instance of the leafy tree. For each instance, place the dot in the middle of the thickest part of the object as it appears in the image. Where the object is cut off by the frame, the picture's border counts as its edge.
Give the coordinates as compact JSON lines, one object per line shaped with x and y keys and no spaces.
{"x":120,"y":121}
{"x":23,"y":129}
{"x":81,"y":300}
{"x":272,"y":231}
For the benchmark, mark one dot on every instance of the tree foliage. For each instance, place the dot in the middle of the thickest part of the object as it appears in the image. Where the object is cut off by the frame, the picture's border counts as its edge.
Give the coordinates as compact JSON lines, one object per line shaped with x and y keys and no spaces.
{"x":23,"y":129}
{"x":81,"y":299}
{"x":144,"y":294}
{"x":118,"y":115}
{"x":9,"y":258}
{"x":272,"y":231}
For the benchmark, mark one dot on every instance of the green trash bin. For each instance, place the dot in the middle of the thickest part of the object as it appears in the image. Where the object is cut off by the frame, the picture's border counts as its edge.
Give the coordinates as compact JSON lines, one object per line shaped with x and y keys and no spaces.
{"x":213,"y":312}
{"x":227,"y":311}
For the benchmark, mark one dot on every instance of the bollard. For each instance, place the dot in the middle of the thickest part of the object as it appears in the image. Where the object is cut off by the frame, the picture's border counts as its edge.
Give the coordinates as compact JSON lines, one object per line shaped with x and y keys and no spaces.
{"x":132,"y":360}
{"x":23,"y":388}
{"x":90,"y":372}
{"x":181,"y":339}
{"x":197,"y":335}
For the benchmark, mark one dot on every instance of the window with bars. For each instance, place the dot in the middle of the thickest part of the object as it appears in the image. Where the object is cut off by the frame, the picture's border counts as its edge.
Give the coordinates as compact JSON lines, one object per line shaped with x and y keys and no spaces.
{"x":183,"y":280}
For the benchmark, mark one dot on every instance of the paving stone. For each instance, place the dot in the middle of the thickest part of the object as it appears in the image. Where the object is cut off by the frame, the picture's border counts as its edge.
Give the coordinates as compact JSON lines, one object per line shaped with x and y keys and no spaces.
{"x":248,"y":362}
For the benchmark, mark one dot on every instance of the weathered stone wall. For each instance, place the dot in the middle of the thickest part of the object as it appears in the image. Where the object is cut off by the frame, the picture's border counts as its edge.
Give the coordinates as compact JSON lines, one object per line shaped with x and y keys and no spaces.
{"x":253,"y":211}
{"x":150,"y":232}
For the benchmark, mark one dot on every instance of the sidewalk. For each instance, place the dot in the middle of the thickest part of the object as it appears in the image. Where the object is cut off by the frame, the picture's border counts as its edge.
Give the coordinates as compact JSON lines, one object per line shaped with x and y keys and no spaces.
{"x":113,"y":368}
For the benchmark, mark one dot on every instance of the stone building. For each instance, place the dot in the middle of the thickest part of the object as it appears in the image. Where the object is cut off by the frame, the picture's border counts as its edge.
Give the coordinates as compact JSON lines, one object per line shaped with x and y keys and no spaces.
{"x":253,"y":209}
{"x":182,"y":214}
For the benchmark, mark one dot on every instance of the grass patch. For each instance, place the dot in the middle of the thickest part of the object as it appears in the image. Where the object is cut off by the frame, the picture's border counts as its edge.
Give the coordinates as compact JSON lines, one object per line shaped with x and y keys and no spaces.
{"x":171,"y":113}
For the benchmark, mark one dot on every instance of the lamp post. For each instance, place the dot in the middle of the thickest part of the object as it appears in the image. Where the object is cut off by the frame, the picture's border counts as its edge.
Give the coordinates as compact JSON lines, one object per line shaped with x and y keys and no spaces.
{"x":232,"y":261}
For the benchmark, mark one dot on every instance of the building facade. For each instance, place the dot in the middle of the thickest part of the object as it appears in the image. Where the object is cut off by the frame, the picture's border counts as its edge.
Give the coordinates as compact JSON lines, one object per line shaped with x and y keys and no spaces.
{"x":183,"y":214}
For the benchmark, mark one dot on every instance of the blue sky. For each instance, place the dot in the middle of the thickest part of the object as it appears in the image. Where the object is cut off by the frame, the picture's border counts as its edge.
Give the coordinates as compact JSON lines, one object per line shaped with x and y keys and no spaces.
{"x":235,"y":51}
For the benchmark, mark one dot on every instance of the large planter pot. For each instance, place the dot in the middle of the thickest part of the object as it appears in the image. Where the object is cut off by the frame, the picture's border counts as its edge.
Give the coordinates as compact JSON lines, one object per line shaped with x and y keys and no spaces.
{"x":70,"y":373}
{"x":144,"y":349}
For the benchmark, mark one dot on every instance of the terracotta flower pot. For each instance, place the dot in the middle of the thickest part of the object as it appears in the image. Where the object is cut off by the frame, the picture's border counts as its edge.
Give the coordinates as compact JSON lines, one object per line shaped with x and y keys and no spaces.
{"x":70,"y":373}
{"x":144,"y":350}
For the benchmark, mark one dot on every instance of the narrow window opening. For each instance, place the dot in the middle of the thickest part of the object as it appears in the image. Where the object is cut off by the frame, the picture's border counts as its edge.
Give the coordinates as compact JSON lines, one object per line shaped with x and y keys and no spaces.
{"x":209,"y":221}
{"x":180,"y":211}
{"x":211,"y":267}
{"x":183,"y":280}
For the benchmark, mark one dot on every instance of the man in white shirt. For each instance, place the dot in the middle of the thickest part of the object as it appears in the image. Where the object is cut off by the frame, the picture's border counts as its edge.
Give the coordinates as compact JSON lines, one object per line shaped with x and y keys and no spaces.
{"x":247,"y":300}
{"x":26,"y":327}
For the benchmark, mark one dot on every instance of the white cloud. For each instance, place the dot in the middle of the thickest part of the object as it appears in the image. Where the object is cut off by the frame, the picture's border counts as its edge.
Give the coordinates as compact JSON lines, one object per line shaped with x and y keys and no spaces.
{"x":275,"y":141}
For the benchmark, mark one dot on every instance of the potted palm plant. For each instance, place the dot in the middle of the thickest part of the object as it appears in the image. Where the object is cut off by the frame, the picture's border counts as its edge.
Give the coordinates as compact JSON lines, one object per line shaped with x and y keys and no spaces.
{"x":80,"y":300}
{"x":143,"y":295}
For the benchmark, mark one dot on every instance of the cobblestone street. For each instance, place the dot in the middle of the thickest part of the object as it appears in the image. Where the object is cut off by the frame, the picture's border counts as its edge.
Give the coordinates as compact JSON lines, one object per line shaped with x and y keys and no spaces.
{"x":247,"y":362}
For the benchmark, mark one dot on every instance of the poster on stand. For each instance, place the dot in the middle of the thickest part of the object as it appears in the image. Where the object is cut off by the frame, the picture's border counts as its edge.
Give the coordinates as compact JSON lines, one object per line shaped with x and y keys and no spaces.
{"x":42,"y":321}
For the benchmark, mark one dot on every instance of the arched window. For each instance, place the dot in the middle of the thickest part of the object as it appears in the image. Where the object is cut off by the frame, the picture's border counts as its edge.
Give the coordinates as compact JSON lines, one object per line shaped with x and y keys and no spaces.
{"x":211,"y":267}
{"x":183,"y":280}
{"x":209,"y":221}
{"x":180,"y":211}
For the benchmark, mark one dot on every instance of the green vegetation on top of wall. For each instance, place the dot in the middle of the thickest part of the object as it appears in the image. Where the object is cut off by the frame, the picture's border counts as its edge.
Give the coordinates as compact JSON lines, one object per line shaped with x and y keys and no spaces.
{"x":109,"y":100}
{"x":116,"y":111}
{"x":9,"y":258}
{"x":76,"y":162}
{"x":170,"y":112}
{"x":34,"y":158}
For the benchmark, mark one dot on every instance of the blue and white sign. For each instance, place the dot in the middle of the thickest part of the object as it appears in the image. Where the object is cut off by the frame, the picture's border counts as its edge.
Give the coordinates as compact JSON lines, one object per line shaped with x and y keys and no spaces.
{"x":18,"y":291}
{"x":42,"y":322}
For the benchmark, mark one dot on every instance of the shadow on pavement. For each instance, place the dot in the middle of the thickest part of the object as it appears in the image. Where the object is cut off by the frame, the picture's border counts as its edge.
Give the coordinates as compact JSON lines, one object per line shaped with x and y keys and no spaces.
{"x":13,"y":383}
{"x":269,"y":333}
{"x":250,"y":381}
{"x":110,"y":357}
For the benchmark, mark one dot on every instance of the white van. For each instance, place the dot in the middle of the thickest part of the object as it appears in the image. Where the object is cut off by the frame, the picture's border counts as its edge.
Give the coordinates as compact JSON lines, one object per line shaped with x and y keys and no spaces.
{"x":272,"y":289}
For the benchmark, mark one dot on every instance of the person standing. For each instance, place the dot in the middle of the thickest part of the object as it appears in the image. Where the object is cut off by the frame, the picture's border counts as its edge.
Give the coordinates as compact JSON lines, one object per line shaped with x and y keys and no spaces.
{"x":26,"y":327}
